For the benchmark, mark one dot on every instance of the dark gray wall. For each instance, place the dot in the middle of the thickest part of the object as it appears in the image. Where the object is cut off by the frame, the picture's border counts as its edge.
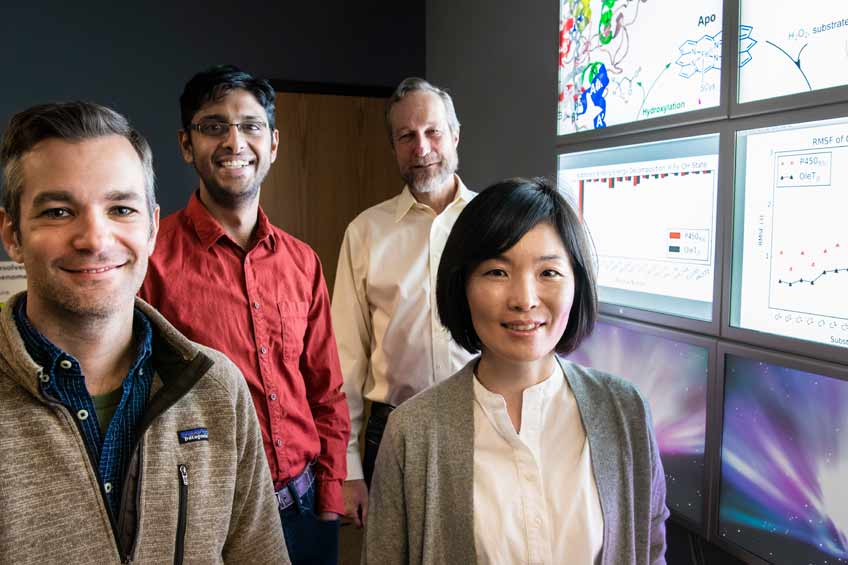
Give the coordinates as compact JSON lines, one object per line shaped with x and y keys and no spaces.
{"x":137,"y":56}
{"x":498,"y":58}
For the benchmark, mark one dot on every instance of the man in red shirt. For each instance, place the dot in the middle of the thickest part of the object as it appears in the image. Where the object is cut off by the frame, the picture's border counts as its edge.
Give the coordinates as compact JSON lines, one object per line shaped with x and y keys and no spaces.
{"x":227,"y":278}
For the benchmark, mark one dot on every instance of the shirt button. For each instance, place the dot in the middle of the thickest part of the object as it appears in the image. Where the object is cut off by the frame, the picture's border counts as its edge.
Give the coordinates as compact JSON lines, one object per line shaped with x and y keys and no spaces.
{"x":256,"y":305}
{"x":107,"y":487}
{"x":273,"y":396}
{"x":44,"y":377}
{"x":278,"y":442}
{"x":263,"y":350}
{"x":82,"y":414}
{"x":65,"y":364}
{"x":140,"y":372}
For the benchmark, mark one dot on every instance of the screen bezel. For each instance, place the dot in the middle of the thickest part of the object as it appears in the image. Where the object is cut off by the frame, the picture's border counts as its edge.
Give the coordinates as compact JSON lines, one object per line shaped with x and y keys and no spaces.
{"x":783,"y":103}
{"x":711,"y":327}
{"x":716,"y":433}
{"x":691,"y":118}
{"x":734,"y":219}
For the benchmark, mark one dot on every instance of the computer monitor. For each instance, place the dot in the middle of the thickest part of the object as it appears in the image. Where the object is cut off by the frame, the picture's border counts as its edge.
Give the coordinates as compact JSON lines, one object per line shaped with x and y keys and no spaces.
{"x":790,"y":246}
{"x":672,"y":373}
{"x":651,"y":211}
{"x":784,"y":461}
{"x":629,"y":61}
{"x":788,"y":51}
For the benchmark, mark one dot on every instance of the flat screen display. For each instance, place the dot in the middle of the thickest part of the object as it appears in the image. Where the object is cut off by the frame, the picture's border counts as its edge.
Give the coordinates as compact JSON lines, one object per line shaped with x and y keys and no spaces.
{"x":623,"y":61}
{"x":792,"y":48}
{"x":672,"y":376}
{"x":784,"y":463}
{"x":651,"y":210}
{"x":790,"y":248}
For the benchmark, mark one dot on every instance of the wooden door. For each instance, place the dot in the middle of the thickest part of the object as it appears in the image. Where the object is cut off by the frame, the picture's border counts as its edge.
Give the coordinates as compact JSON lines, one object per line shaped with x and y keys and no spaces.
{"x":334,"y":161}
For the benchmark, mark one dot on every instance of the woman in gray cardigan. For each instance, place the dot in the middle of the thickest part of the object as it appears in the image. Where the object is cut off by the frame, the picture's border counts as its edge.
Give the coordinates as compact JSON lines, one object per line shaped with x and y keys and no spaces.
{"x":520,"y":457}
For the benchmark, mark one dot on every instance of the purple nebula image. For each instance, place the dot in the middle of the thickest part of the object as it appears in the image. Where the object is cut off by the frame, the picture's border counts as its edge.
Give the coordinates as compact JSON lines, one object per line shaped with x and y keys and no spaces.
{"x":784,"y":463}
{"x":672,"y":376}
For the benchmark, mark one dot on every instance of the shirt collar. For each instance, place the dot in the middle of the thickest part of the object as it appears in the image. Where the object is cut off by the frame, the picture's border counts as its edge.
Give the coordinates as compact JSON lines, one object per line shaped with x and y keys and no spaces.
{"x":209,"y":229}
{"x":48,"y":355}
{"x":545,"y":389}
{"x":406,"y":200}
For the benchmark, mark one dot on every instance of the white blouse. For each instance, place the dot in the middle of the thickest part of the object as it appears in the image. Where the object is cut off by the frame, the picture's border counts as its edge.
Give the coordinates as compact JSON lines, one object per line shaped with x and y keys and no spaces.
{"x":535,"y":497}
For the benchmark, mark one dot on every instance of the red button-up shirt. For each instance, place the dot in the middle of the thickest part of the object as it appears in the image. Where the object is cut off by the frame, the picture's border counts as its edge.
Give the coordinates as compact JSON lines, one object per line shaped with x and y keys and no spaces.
{"x":268,"y":310}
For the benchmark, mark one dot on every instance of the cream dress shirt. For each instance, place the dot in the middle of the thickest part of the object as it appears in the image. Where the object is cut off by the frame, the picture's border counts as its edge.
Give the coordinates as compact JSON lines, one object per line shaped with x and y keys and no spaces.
{"x":391,"y":342}
{"x":535,"y":497}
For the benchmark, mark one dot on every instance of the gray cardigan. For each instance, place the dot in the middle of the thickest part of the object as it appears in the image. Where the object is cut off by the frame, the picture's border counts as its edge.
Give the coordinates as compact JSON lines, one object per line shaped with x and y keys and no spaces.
{"x":422,"y":493}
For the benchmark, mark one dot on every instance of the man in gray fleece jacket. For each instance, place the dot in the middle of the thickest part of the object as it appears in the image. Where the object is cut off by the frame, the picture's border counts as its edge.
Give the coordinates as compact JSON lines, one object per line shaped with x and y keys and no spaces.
{"x":120,"y":440}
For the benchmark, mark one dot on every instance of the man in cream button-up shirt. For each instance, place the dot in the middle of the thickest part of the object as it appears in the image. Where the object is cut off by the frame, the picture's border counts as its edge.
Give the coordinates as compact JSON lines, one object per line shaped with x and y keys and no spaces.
{"x":391,"y":342}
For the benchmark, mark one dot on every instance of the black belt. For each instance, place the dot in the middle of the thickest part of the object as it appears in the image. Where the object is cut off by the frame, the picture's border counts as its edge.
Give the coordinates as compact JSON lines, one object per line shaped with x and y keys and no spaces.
{"x":380,"y":410}
{"x":297,"y":486}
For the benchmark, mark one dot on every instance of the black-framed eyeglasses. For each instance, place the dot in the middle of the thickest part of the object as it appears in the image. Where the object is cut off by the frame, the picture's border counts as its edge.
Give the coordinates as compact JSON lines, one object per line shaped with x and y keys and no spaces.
{"x":220,"y":129}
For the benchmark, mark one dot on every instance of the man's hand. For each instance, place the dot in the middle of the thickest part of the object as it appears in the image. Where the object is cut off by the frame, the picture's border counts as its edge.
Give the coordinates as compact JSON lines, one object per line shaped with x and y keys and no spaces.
{"x":328,"y":516}
{"x":356,"y":501}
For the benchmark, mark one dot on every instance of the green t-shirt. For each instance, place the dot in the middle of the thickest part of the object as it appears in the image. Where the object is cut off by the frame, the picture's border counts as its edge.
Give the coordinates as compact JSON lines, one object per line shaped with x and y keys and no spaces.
{"x":105,"y":406}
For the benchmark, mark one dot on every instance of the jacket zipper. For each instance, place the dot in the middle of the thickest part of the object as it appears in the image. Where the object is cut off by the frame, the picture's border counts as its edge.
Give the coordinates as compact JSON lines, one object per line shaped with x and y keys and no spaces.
{"x":181,"y":518}
{"x":139,"y":449}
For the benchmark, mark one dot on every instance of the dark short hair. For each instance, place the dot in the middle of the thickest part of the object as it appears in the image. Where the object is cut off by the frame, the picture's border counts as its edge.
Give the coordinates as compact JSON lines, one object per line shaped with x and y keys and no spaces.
{"x":216,"y":82}
{"x":72,"y":122}
{"x":491,"y":224}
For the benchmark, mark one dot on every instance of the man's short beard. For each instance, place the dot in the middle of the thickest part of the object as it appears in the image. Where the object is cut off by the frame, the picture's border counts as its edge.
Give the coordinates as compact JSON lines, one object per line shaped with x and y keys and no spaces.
{"x":425,"y":183}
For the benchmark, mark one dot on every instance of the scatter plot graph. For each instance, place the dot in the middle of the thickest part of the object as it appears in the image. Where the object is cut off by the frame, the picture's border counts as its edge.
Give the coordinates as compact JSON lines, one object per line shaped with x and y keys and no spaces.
{"x":809,"y":247}
{"x":812,"y":266}
{"x":795,"y":240}
{"x":807,"y":280}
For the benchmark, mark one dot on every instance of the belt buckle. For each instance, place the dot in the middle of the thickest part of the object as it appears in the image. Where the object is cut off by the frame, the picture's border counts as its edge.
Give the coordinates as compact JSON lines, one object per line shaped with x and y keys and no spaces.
{"x":295,"y":488}
{"x":284,"y":498}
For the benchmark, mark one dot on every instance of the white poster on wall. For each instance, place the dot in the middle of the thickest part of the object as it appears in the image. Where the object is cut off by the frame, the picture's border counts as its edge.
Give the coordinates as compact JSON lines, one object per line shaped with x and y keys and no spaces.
{"x":12,"y":280}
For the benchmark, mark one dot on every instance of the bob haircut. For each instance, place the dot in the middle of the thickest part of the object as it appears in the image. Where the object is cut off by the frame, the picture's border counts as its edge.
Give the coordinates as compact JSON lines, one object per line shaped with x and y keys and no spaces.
{"x":491,"y":224}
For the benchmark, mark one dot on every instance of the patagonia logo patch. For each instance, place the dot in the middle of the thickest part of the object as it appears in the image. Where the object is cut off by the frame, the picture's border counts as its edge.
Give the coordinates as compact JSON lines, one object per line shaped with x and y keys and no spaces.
{"x":196,"y":434}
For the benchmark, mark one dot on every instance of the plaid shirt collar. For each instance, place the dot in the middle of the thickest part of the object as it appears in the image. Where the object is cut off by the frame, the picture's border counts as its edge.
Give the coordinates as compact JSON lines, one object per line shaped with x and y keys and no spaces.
{"x":64,"y":382}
